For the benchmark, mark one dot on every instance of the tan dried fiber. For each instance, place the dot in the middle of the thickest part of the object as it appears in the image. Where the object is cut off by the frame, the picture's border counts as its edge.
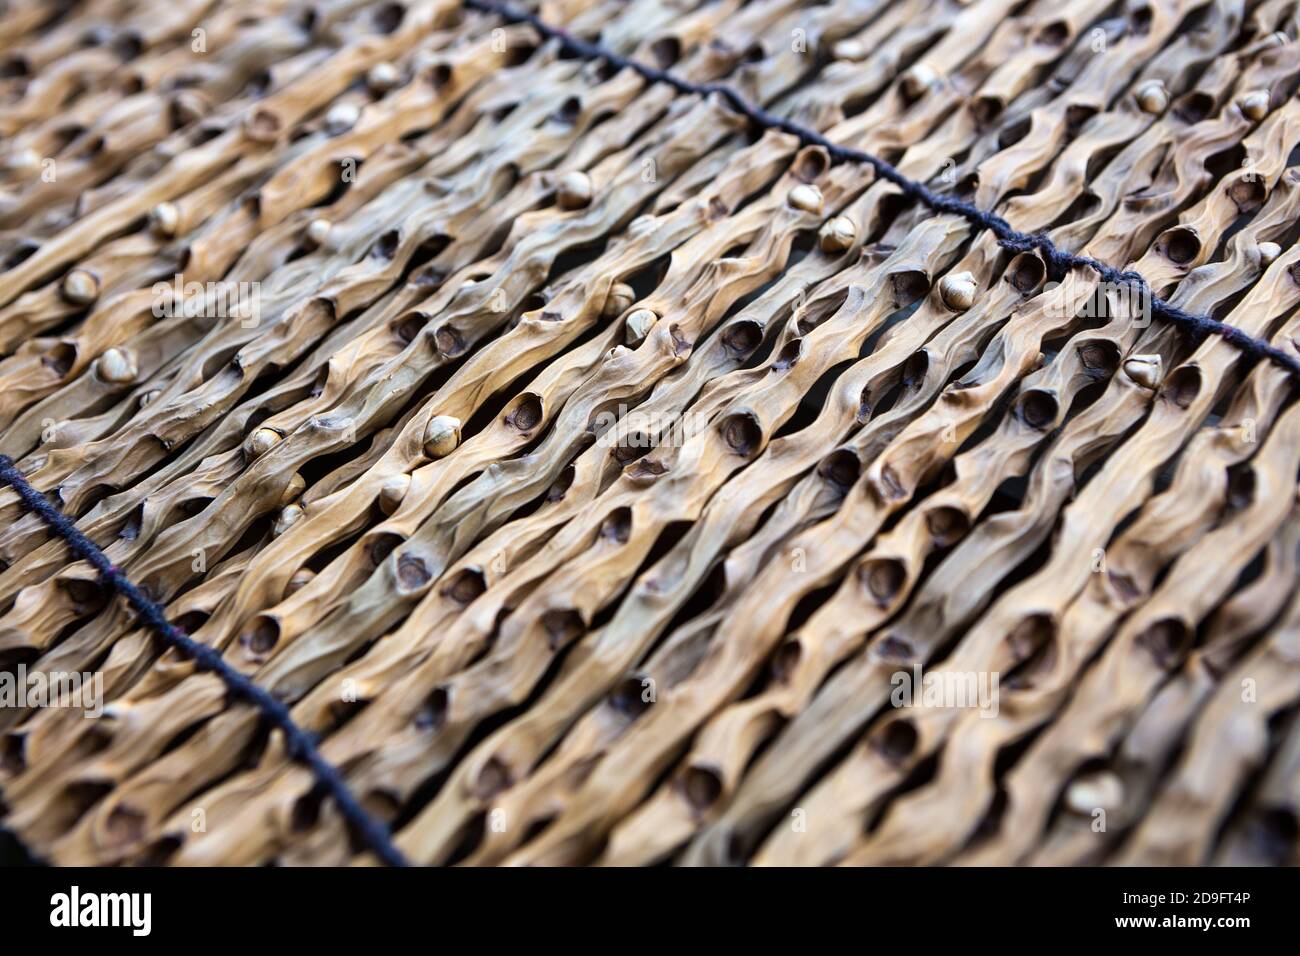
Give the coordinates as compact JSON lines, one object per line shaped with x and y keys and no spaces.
{"x":590,"y":467}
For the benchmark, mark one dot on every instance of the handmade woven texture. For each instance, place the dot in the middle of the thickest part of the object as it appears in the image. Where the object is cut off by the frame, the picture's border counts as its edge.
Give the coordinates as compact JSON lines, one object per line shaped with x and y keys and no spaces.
{"x":447,"y":429}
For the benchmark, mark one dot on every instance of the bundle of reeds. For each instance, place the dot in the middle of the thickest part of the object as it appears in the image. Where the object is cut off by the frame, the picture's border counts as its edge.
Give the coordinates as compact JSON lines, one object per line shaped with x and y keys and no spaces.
{"x":569,"y":466}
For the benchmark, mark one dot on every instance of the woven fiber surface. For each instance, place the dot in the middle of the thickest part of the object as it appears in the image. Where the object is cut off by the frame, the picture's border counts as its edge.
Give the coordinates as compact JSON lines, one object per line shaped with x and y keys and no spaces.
{"x":709,"y":433}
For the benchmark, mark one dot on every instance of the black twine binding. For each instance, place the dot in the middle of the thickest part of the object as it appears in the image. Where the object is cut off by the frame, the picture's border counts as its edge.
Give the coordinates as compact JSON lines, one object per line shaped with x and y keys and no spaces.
{"x":1058,"y":260}
{"x":300,"y":744}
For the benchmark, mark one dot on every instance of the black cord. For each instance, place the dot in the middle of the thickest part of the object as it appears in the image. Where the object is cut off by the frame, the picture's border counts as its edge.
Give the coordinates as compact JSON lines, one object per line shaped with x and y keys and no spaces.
{"x":301,"y":745}
{"x":1057,"y":259}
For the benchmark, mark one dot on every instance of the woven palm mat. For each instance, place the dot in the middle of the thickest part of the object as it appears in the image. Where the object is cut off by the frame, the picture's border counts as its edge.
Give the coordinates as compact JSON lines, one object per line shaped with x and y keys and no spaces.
{"x":603,"y":478}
